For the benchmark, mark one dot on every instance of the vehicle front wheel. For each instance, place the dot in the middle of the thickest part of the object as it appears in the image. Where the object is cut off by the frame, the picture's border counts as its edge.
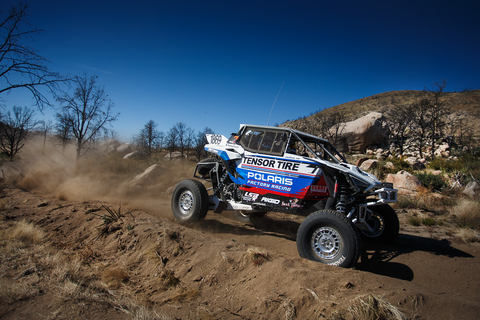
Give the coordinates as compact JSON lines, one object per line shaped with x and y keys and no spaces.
{"x":330,"y":238}
{"x":384,"y":223}
{"x":189,"y":201}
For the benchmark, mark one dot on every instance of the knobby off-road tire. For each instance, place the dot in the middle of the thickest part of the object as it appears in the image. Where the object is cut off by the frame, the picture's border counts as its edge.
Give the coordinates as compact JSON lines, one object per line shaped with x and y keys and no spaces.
{"x":385,"y":223}
{"x":329,"y":237}
{"x":189,"y":201}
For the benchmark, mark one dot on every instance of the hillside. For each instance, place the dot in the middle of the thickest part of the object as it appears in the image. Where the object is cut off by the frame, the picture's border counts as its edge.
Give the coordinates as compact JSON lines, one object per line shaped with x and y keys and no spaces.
{"x":468,"y":102}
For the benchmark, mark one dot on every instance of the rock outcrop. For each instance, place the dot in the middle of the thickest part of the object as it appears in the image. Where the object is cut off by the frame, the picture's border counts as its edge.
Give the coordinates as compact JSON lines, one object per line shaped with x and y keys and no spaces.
{"x":149,"y":176}
{"x":357,"y":135}
{"x":405,"y":182}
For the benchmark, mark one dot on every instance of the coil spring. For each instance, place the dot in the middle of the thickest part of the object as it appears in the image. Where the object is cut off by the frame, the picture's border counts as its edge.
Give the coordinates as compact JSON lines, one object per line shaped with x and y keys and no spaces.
{"x":221,"y":184}
{"x":342,"y":200}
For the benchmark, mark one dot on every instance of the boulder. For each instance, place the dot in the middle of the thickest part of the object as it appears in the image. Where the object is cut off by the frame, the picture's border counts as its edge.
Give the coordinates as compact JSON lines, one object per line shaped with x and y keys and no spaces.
{"x":124,"y":149}
{"x":361,"y":160}
{"x":149,"y":176}
{"x":369,"y":164}
{"x":405,"y":182}
{"x":471,"y":189}
{"x":363,"y":132}
{"x":134,"y":155}
{"x":109,"y":146}
{"x":443,"y":151}
{"x":390,"y":166}
{"x":415,"y":163}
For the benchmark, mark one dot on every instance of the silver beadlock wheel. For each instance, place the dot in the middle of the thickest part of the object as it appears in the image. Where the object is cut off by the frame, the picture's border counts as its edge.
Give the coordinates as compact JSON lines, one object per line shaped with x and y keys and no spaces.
{"x":329,"y":237}
{"x":186,"y":202}
{"x":326,"y":243}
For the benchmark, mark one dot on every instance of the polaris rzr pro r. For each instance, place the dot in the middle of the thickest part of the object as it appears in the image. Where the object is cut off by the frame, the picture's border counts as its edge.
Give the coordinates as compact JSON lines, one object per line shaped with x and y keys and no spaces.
{"x":261,"y":169}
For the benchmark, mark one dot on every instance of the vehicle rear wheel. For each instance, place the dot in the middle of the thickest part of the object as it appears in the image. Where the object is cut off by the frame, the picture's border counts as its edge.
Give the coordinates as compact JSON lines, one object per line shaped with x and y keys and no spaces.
{"x":384,"y":222}
{"x":189,"y":201}
{"x":329,"y":237}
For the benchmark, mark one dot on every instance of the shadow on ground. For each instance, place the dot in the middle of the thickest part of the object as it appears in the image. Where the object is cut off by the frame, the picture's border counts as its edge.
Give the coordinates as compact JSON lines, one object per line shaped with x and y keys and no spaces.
{"x":378,"y":258}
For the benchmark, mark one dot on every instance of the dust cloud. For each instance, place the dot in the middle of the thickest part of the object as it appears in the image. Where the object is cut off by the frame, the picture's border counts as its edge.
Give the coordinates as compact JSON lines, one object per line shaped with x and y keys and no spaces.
{"x":51,"y":171}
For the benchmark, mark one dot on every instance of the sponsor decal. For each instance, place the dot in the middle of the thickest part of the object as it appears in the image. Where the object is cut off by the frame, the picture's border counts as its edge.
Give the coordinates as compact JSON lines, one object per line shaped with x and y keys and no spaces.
{"x":318,"y":189}
{"x":292,"y":204}
{"x":270,"y":178}
{"x":269,"y":181}
{"x":272,"y":163}
{"x":270,"y":200}
{"x":250,"y":196}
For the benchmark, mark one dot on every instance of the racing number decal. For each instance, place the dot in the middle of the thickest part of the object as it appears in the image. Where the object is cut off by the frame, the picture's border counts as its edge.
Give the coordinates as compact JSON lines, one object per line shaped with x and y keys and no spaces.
{"x":216,"y":139}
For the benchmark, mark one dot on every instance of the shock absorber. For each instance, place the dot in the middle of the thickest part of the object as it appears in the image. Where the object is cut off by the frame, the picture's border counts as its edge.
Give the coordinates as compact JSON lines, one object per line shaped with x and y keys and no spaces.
{"x":221,"y":184}
{"x":341,"y":192}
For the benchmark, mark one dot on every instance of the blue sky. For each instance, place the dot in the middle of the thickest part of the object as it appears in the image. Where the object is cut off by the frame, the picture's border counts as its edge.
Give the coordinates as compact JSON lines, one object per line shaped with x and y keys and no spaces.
{"x":221,"y":63}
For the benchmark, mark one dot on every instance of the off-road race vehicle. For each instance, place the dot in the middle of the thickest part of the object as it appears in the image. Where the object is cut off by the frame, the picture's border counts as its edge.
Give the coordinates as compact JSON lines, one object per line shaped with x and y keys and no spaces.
{"x":261,"y":169}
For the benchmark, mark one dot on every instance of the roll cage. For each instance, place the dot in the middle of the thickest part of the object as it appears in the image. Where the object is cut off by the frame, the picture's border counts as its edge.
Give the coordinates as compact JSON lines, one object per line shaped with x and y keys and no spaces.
{"x":279,"y":141}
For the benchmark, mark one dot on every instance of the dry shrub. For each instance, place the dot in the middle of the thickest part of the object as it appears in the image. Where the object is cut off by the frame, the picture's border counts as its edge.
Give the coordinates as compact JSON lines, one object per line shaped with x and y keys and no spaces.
{"x":16,"y":290}
{"x":4,"y":204}
{"x":466,"y":214}
{"x":466,"y":235}
{"x":257,"y":256}
{"x":113,"y":278}
{"x":168,"y":278}
{"x":414,"y":220}
{"x":26,"y":233}
{"x":371,"y":307}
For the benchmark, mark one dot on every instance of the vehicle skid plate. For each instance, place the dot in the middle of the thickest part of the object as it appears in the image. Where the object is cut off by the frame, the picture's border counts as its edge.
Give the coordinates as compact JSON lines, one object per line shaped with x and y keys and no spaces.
{"x":218,"y":206}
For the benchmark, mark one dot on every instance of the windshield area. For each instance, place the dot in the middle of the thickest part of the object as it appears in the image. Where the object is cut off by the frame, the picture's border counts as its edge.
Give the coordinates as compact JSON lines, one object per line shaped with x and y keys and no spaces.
{"x":307,"y":146}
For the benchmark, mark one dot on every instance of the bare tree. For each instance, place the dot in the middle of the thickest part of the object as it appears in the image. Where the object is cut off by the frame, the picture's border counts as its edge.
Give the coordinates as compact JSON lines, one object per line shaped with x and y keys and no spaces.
{"x":147,"y":139}
{"x":331,"y":126}
{"x":181,"y":130}
{"x":200,"y":143}
{"x":14,"y":129}
{"x":161,"y":140}
{"x":399,"y":119}
{"x":189,"y":139}
{"x":438,"y":112}
{"x":63,"y":129}
{"x":45,"y":127}
{"x":20,"y":65}
{"x":422,"y":122}
{"x":171,"y":141}
{"x":88,"y":109}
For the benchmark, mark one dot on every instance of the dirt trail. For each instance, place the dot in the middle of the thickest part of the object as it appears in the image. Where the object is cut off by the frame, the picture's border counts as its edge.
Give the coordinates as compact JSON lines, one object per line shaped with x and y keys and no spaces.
{"x":227,"y":269}
{"x":221,"y":268}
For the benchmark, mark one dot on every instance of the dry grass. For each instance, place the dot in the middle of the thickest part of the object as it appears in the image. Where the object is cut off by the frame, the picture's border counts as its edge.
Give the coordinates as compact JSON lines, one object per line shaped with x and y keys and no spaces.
{"x":25,"y":233}
{"x":371,"y":307}
{"x":466,"y":214}
{"x":32,"y":266}
{"x":414,"y":220}
{"x":466,"y":235}
{"x":113,"y":278}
